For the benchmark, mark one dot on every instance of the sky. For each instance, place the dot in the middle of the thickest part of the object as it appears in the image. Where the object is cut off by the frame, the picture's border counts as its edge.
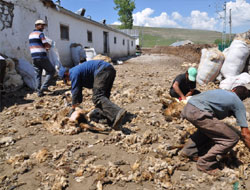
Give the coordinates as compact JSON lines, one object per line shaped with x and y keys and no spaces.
{"x":188,"y":14}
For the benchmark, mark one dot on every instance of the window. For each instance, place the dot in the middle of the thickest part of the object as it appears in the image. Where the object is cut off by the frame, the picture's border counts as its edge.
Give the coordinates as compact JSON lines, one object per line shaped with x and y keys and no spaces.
{"x":114,"y":40}
{"x":132,"y":43}
{"x":64,"y":32}
{"x":123,"y":42}
{"x":89,"y":33}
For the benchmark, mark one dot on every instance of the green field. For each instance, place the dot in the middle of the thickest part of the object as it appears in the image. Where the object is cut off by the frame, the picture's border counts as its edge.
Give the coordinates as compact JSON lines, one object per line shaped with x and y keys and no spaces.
{"x":150,"y":36}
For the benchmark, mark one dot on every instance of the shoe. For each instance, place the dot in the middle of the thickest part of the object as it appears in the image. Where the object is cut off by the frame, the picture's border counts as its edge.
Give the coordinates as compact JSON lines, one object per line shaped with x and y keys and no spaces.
{"x":192,"y":158}
{"x":213,"y":172}
{"x":96,"y":115}
{"x":45,"y":90}
{"x":40,"y":94}
{"x":118,"y":119}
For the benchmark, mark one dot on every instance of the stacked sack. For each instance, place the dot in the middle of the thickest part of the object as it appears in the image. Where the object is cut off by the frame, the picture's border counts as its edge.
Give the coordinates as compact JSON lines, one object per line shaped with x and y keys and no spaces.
{"x":228,"y":65}
{"x":235,"y":61}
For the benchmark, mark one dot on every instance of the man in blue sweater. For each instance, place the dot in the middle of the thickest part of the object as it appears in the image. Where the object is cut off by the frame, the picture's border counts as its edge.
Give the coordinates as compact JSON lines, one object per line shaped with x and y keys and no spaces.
{"x":205,"y":111}
{"x":99,"y":76}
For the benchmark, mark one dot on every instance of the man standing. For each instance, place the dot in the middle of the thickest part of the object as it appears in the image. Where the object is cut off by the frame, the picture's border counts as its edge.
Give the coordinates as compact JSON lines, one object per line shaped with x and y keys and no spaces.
{"x":99,"y":76}
{"x":38,"y":49}
{"x":184,"y":85}
{"x":205,"y":111}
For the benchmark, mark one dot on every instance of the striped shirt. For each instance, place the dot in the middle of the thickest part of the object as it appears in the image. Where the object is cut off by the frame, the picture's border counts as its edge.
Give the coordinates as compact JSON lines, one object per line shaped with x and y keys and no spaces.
{"x":36,"y":43}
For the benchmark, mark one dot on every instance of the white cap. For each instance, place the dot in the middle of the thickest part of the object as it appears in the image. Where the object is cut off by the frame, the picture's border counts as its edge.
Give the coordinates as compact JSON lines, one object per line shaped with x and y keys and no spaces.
{"x":40,"y":22}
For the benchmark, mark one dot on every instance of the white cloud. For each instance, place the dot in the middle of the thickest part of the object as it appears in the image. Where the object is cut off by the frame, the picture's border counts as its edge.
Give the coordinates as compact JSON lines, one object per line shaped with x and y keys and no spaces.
{"x":176,"y":16}
{"x":117,"y":23}
{"x":240,"y":10}
{"x":197,"y":19}
{"x":144,"y":18}
{"x":201,"y":20}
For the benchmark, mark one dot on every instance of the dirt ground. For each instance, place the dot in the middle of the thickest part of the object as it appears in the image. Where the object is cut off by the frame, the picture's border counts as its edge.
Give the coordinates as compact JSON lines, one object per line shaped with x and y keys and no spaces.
{"x":143,"y":156}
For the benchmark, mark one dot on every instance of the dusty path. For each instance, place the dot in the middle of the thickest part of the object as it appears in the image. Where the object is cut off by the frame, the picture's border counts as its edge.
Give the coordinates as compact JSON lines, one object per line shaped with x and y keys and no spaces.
{"x":144,"y":159}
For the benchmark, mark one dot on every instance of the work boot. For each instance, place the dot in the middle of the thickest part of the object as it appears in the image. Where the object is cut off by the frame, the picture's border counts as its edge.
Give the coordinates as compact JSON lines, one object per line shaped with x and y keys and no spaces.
{"x":40,"y":93}
{"x":96,"y":115}
{"x":46,"y":90}
{"x":118,"y":119}
{"x":193,"y":157}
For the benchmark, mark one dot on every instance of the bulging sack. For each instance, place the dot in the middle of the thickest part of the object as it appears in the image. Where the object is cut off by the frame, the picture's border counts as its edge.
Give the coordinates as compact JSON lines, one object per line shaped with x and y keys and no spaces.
{"x":235,"y":58}
{"x":77,"y":53}
{"x":210,"y":65}
{"x":54,"y":57}
{"x":27,"y":71}
{"x":230,"y":82}
{"x":12,"y":80}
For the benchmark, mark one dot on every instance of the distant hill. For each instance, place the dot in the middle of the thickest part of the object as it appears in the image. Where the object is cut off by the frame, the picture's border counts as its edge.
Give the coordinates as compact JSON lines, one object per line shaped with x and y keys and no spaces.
{"x":150,"y":36}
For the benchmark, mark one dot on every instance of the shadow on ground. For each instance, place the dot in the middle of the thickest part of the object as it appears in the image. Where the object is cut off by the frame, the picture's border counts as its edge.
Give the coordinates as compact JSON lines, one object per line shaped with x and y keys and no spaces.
{"x":9,"y":99}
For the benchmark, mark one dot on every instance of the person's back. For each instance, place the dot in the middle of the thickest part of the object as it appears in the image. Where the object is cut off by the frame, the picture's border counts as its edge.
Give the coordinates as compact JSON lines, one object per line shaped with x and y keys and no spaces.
{"x":184,"y":84}
{"x":221,"y":103}
{"x":83,"y":74}
{"x":36,"y":43}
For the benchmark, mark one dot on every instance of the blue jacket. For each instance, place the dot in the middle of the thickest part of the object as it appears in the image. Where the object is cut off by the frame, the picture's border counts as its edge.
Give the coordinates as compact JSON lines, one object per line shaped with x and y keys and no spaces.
{"x":83,"y":75}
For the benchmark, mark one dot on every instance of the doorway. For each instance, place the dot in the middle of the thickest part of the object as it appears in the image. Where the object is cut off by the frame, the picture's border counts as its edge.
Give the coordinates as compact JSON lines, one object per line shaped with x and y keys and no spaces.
{"x":106,"y":43}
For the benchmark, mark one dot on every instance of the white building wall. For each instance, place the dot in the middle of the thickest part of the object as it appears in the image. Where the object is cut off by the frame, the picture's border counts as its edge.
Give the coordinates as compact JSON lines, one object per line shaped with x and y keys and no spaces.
{"x":14,"y":40}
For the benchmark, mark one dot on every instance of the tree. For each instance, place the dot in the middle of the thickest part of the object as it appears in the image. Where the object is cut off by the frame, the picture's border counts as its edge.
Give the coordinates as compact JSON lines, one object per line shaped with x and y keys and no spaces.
{"x":125,"y":9}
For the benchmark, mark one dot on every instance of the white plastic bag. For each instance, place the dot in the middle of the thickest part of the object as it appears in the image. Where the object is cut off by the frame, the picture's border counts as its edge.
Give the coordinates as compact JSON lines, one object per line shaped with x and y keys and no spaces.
{"x":230,"y":82}
{"x":235,"y":58}
{"x":26,"y":70}
{"x":54,"y":57}
{"x":210,"y":65}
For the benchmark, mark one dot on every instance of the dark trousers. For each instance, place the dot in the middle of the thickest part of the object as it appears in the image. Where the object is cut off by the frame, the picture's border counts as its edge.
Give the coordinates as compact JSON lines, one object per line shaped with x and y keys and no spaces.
{"x":209,"y":129}
{"x":175,"y":95}
{"x":39,"y":65}
{"x":102,"y":86}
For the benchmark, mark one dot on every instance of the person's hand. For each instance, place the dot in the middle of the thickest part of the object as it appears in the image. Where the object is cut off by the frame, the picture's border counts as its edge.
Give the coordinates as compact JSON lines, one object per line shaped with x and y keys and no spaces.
{"x":245,"y":133}
{"x":47,"y":46}
{"x":183,"y":98}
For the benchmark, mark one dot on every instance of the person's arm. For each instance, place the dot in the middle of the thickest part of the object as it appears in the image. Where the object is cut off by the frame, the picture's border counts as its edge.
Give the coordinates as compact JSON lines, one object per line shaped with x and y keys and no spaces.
{"x":190,"y":93}
{"x":178,"y":90}
{"x":47,"y":46}
{"x":245,"y":133}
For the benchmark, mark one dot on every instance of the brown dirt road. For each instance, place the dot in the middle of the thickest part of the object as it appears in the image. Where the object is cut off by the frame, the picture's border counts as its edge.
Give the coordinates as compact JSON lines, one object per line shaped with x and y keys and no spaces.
{"x":144,"y":158}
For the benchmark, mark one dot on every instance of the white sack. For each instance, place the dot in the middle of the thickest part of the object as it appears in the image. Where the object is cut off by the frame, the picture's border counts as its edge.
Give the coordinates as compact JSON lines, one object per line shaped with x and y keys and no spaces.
{"x":90,"y":53}
{"x":77,"y":53}
{"x":235,"y":58}
{"x":27,"y":71}
{"x":231,"y":82}
{"x":210,"y":65}
{"x":54,"y":57}
{"x":12,"y":80}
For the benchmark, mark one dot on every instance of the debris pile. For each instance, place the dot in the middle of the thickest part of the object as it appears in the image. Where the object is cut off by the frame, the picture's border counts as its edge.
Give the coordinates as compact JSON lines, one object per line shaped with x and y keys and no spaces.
{"x":39,"y":141}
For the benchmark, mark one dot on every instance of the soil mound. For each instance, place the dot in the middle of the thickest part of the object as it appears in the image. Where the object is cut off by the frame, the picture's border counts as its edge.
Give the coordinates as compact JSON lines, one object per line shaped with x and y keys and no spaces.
{"x":190,"y":52}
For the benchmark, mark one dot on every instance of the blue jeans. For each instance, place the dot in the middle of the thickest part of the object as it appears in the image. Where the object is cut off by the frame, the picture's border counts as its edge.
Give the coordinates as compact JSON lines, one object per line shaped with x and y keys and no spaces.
{"x":40,"y":64}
